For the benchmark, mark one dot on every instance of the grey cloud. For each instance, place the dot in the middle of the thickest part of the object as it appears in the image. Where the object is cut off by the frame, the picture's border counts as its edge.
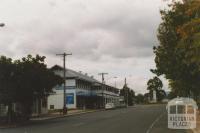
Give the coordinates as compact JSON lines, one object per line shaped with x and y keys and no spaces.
{"x":115,"y":35}
{"x":119,"y":31}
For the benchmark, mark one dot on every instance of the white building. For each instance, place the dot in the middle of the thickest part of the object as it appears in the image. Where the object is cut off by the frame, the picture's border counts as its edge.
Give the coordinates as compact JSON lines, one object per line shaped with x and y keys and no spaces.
{"x":82,"y":91}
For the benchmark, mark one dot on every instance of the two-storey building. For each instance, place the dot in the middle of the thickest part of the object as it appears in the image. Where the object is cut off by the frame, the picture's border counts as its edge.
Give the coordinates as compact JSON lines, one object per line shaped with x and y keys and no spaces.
{"x":82,"y":91}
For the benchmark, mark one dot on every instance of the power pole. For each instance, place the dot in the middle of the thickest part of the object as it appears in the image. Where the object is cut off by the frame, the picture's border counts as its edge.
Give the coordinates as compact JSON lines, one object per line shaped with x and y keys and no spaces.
{"x":102,"y":87}
{"x":126,"y":93}
{"x":64,"y":76}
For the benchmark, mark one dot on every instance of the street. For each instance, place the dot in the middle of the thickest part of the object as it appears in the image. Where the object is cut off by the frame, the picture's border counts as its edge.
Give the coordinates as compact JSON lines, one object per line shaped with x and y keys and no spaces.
{"x":137,"y":119}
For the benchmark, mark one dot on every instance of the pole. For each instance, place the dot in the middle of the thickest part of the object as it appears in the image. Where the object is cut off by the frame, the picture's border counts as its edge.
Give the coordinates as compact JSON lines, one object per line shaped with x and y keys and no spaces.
{"x":102,"y":87}
{"x":64,"y":76}
{"x":126,"y":93}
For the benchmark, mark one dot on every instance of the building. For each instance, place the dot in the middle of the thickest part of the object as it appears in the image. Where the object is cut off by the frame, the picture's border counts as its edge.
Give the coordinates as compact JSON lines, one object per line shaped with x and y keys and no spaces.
{"x":82,"y":91}
{"x":3,"y":110}
{"x":39,"y":107}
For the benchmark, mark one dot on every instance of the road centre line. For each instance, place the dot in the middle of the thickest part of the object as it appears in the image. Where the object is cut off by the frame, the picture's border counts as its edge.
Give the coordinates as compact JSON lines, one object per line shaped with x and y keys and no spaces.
{"x":156,"y":120}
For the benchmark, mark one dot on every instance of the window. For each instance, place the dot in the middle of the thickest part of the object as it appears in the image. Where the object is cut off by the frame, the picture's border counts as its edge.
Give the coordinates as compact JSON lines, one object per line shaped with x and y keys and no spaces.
{"x":181,"y":109}
{"x":190,"y":109}
{"x":173,"y":109}
{"x":51,"y":106}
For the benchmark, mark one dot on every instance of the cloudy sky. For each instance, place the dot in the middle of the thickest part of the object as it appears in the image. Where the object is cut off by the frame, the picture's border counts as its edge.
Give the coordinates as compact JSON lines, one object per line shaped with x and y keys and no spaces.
{"x":113,"y":36}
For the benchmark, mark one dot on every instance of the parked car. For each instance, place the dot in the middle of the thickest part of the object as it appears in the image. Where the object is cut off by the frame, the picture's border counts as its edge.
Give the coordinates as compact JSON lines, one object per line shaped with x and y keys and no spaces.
{"x":110,"y":106}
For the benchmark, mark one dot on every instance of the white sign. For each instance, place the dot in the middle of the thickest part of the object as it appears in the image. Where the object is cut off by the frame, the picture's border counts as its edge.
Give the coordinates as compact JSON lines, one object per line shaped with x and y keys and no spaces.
{"x":180,"y":121}
{"x":182,"y":113}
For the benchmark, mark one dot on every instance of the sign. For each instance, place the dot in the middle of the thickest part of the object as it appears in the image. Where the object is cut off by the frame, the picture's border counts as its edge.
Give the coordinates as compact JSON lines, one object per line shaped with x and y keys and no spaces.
{"x":61,"y":87}
{"x":70,"y":98}
{"x":182,"y":113}
{"x":180,"y":121}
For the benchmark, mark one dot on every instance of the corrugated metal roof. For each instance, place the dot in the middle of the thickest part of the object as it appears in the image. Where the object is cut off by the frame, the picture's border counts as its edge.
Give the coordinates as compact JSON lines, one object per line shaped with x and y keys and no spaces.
{"x":73,"y":74}
{"x":78,"y":75}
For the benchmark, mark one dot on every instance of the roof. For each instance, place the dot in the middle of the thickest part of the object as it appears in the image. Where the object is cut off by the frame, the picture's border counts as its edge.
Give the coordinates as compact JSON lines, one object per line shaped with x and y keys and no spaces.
{"x":73,"y":74}
{"x":78,"y":75}
{"x":182,"y":101}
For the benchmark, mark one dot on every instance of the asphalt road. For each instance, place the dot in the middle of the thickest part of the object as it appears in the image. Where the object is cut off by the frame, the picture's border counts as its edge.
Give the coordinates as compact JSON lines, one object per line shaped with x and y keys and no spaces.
{"x":138,"y":119}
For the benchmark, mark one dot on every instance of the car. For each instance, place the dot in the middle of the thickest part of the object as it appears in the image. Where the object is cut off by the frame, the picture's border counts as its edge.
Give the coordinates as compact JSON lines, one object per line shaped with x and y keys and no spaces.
{"x":110,"y":106}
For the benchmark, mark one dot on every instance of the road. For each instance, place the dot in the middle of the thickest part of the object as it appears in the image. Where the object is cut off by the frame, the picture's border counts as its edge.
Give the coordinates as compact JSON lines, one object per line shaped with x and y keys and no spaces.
{"x":138,"y":119}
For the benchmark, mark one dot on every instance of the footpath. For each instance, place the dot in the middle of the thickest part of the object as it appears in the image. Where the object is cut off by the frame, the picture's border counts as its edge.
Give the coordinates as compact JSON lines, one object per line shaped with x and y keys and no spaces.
{"x":60,"y":115}
{"x":197,"y":130}
{"x":50,"y":116}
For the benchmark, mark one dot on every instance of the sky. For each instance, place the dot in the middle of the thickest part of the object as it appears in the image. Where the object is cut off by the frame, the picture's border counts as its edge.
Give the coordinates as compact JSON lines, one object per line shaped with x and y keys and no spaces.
{"x":113,"y":36}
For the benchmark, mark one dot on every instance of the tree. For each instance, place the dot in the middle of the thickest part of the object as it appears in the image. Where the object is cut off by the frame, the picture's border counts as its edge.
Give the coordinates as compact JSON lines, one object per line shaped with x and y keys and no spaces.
{"x":7,"y":83}
{"x":172,"y":95}
{"x":35,"y":81}
{"x":177,"y":55}
{"x":139,"y":99}
{"x":146,"y":97}
{"x":160,"y":94}
{"x":23,"y":81}
{"x":129,"y":95}
{"x":155,"y":84}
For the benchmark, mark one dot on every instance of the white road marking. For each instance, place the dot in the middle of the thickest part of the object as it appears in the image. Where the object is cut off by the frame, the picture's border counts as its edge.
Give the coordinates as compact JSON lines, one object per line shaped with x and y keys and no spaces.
{"x":152,"y":125}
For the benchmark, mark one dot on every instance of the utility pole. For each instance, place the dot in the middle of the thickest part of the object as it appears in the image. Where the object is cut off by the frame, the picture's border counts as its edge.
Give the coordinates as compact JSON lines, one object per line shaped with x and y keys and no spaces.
{"x":126,"y":93}
{"x":102,"y":87}
{"x":64,"y":76}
